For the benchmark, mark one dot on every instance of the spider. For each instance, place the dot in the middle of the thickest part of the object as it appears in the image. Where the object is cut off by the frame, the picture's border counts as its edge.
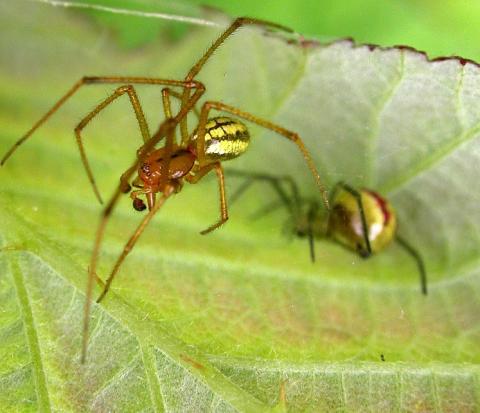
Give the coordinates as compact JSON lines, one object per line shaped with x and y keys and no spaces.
{"x":359,"y":219}
{"x":161,"y":172}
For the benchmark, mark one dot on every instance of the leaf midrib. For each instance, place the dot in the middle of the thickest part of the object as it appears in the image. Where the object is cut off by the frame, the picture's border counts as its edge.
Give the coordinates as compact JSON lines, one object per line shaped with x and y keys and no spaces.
{"x":32,"y":339}
{"x":428,"y":162}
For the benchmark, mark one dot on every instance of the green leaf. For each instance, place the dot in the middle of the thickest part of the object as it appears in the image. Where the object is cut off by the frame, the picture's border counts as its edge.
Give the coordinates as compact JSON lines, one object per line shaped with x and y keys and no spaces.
{"x":222,"y":322}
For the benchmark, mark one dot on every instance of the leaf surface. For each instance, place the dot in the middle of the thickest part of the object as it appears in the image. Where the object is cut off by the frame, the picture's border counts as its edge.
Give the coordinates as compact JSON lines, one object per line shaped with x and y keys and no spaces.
{"x":222,"y":322}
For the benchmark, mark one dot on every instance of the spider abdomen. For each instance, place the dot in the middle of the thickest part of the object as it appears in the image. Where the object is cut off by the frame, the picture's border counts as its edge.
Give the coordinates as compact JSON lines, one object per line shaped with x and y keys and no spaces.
{"x":345,"y":225}
{"x":225,"y":138}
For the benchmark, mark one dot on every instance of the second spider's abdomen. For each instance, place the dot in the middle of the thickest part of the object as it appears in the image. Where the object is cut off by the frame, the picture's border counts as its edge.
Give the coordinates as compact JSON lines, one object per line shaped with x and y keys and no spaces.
{"x":345,"y":223}
{"x":225,"y":139}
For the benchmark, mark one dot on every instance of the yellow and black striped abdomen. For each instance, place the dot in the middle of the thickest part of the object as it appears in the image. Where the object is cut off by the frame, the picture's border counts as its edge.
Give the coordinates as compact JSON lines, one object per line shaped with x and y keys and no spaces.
{"x":225,"y":139}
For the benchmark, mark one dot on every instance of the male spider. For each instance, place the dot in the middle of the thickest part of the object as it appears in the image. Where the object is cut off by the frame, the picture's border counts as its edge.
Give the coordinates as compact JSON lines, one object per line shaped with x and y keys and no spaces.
{"x":164,"y":170}
{"x":359,"y":219}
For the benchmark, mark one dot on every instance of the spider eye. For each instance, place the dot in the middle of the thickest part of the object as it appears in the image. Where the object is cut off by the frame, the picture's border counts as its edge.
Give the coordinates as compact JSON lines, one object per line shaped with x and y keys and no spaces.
{"x":139,"y":205}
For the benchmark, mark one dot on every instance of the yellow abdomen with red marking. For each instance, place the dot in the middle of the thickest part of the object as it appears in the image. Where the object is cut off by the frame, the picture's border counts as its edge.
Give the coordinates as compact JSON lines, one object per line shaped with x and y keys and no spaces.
{"x":345,"y":222}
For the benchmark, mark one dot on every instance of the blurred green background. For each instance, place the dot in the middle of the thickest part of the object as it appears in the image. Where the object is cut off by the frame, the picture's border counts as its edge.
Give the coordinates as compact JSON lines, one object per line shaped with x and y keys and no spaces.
{"x":439,"y":27}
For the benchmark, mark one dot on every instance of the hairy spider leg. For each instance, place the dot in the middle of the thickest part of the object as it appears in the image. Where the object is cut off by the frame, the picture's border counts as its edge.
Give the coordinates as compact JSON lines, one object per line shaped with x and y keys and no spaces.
{"x":130,"y":90}
{"x":221,"y":188}
{"x":292,"y":136}
{"x":166,"y":129}
{"x":416,"y":256}
{"x":89,"y":80}
{"x":133,"y":239}
{"x":358,"y":199}
{"x":237,"y":23}
{"x":168,"y":93}
{"x":167,"y":106}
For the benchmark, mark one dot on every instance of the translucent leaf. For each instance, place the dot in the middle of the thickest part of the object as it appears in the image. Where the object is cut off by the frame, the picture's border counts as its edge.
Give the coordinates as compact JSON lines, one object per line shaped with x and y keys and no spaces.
{"x":223,"y":322}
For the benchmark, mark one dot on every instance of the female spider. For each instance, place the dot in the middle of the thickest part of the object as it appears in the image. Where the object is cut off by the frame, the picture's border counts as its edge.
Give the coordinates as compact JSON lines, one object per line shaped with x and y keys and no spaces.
{"x":359,"y":219}
{"x":162,"y":171}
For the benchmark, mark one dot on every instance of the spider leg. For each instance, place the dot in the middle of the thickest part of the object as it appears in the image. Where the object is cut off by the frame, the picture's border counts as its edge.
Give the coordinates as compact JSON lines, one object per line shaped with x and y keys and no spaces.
{"x":296,"y":200}
{"x":167,"y":108}
{"x":292,"y":202}
{"x":125,"y":186}
{"x":87,"y":119}
{"x":358,"y":198}
{"x":247,"y":183}
{"x":221,"y":186}
{"x":171,"y":139}
{"x":237,"y":23}
{"x":223,"y":200}
{"x":266,"y":209}
{"x":417,"y":257}
{"x":311,"y":241}
{"x":166,"y":129}
{"x":334,"y":190}
{"x":312,"y":213}
{"x":169,"y":92}
{"x":132,"y":241}
{"x":292,"y":136}
{"x":187,"y":103}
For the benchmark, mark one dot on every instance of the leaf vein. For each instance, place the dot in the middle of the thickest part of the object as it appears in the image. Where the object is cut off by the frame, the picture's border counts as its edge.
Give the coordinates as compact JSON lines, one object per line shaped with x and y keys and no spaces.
{"x":32,"y":339}
{"x":154,"y":385}
{"x":458,"y":104}
{"x":436,"y":399}
{"x":114,"y":379}
{"x":373,"y":137}
{"x":428,"y":162}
